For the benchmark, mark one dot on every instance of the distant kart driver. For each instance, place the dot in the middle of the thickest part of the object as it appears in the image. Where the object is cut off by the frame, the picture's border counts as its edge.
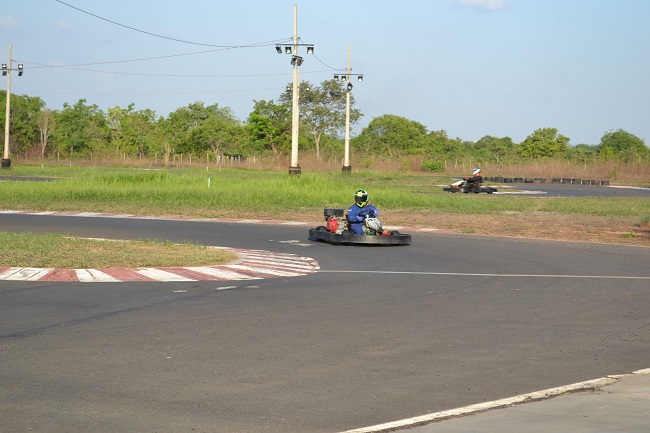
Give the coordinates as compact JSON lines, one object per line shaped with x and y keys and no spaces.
{"x":359,"y":211}
{"x":476,"y":179}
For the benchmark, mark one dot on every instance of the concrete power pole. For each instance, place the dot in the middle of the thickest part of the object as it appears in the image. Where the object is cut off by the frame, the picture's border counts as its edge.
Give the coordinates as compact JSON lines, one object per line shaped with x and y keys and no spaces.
{"x":346,"y":161}
{"x":6,"y":161}
{"x":295,"y":113}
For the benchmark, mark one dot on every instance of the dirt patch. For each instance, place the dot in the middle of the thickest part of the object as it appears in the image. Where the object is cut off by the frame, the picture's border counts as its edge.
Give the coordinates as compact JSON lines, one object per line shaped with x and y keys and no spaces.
{"x":615,"y":230}
{"x":540,"y":225}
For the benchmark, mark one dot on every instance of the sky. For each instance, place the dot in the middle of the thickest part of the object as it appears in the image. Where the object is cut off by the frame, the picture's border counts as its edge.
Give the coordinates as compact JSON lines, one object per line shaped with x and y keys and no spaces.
{"x":473,"y":68}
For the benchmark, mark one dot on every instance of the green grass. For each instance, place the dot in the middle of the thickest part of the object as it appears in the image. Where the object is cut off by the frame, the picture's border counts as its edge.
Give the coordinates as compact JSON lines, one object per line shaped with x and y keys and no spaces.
{"x":57,"y":251}
{"x":210,"y":193}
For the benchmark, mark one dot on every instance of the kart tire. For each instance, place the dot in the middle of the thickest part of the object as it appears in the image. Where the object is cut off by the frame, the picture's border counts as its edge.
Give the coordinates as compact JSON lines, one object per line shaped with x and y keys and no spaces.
{"x":394,"y":233}
{"x":321,"y":229}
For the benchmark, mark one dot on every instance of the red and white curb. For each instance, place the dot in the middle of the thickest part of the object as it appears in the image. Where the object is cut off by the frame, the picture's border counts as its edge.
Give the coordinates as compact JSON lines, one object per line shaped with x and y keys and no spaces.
{"x":252,"y":265}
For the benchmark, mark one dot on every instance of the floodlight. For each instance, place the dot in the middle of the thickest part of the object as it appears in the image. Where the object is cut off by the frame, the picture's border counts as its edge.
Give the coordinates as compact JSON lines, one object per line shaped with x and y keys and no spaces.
{"x":20,"y":69}
{"x":349,"y":87}
{"x":336,"y":77}
{"x":287,"y":50}
{"x":360,"y":78}
{"x":278,"y":48}
{"x":310,"y":49}
{"x":296,"y":59}
{"x":4,"y":69}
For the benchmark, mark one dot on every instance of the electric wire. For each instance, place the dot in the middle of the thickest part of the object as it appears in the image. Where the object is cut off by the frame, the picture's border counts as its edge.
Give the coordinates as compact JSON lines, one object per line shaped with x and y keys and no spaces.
{"x":111,"y":62}
{"x":78,"y":66}
{"x":257,"y":44}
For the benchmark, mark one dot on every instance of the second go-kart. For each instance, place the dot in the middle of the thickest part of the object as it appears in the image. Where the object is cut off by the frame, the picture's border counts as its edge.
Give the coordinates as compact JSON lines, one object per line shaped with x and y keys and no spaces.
{"x":466,"y":187}
{"x":336,"y":232}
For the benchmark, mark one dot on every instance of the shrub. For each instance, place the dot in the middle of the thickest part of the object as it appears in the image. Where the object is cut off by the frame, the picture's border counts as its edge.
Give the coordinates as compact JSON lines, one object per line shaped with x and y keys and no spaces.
{"x":433,"y":165}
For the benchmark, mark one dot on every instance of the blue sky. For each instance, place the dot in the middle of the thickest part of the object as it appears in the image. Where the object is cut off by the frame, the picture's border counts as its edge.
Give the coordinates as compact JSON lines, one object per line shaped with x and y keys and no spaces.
{"x":469,"y":67}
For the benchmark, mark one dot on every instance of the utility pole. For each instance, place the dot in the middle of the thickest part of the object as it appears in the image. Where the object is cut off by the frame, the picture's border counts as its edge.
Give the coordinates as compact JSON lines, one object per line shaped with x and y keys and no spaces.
{"x":6,"y":161}
{"x":347,"y":168}
{"x":296,"y":61}
{"x":346,"y":160}
{"x":295,"y":114}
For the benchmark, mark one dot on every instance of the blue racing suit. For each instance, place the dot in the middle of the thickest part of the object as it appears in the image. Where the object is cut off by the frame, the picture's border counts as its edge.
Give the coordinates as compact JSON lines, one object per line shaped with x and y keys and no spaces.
{"x":357,"y":215}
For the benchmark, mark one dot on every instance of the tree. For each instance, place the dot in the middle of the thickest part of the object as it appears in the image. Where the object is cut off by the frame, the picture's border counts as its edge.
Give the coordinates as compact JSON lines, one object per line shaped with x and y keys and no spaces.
{"x":46,"y":120}
{"x":269,"y":125}
{"x":438,"y":143}
{"x":81,"y":129}
{"x":583,"y":153}
{"x":392,"y":135}
{"x":323,"y":108}
{"x":494,"y":149}
{"x":133,"y":132}
{"x":23,"y":126}
{"x":218,"y":135}
{"x":180,"y":124}
{"x":623,"y":145}
{"x":544,"y":143}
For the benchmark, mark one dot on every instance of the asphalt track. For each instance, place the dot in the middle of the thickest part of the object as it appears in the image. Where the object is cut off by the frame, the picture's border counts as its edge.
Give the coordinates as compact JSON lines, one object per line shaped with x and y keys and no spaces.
{"x":375,"y":335}
{"x":570,"y":190}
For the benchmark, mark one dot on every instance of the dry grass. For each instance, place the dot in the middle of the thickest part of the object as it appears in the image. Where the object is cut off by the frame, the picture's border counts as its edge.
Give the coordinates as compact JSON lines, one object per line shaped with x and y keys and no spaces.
{"x":632,"y":173}
{"x":574,"y":228}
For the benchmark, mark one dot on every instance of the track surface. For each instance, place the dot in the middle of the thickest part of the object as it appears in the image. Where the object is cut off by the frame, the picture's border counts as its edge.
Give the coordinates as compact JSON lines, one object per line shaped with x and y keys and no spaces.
{"x":377,"y":334}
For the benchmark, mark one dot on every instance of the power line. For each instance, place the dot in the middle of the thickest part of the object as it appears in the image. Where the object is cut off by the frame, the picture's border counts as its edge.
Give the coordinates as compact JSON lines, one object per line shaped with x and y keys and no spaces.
{"x":111,"y":62}
{"x":160,"y":93}
{"x":221,"y":47}
{"x":147,"y":74}
{"x":257,"y":44}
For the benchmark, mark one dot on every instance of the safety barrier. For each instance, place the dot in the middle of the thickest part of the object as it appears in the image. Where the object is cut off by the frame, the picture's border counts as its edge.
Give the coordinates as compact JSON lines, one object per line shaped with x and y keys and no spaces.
{"x":562,"y":180}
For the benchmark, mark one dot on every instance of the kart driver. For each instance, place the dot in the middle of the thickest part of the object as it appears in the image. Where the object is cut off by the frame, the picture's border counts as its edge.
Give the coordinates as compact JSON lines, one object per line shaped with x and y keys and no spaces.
{"x":476,"y":179}
{"x":359,"y":211}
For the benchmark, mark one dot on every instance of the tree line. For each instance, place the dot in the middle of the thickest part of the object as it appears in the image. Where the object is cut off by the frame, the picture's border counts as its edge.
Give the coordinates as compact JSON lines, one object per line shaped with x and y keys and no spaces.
{"x":83,"y":131}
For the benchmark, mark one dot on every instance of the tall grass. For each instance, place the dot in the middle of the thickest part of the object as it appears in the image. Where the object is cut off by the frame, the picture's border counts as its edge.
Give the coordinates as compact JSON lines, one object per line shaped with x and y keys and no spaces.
{"x":215,"y":192}
{"x":634,"y":172}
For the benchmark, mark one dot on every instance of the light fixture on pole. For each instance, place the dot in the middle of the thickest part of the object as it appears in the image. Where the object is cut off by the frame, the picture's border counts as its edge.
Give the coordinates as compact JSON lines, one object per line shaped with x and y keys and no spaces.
{"x":346,"y":160}
{"x":296,"y":61}
{"x":6,"y":71}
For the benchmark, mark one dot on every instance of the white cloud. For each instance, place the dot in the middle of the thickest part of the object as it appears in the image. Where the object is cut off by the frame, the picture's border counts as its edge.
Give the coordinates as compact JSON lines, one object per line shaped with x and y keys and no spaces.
{"x":61,"y":27}
{"x":492,"y":5}
{"x":8,"y":23}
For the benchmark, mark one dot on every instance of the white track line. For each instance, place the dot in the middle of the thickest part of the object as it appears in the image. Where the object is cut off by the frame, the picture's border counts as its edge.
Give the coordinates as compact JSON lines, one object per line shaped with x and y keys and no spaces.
{"x":462,"y":274}
{"x":506,"y":402}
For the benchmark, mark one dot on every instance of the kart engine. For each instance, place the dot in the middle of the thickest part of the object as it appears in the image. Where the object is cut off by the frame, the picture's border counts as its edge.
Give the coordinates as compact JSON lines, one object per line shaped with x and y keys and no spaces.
{"x":336,"y":220}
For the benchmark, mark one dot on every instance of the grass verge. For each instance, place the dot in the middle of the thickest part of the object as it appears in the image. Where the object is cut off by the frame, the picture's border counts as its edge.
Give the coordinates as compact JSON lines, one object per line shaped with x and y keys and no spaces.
{"x":51,"y":250}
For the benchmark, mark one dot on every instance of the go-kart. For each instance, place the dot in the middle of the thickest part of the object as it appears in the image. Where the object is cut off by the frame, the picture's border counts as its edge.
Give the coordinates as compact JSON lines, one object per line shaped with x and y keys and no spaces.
{"x":337,"y":232}
{"x":466,"y":187}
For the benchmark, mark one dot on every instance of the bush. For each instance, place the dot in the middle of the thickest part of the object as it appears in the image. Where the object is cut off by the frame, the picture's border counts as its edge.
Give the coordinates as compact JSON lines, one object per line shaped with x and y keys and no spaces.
{"x":433,"y":165}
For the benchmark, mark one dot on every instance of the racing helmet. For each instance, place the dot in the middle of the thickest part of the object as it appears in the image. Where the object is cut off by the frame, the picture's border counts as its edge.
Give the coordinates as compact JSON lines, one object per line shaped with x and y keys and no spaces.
{"x":361,"y":198}
{"x":476,"y":171}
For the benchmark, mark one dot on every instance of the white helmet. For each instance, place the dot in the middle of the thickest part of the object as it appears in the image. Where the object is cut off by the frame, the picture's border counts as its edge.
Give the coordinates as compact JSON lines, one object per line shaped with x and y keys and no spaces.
{"x":476,"y":171}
